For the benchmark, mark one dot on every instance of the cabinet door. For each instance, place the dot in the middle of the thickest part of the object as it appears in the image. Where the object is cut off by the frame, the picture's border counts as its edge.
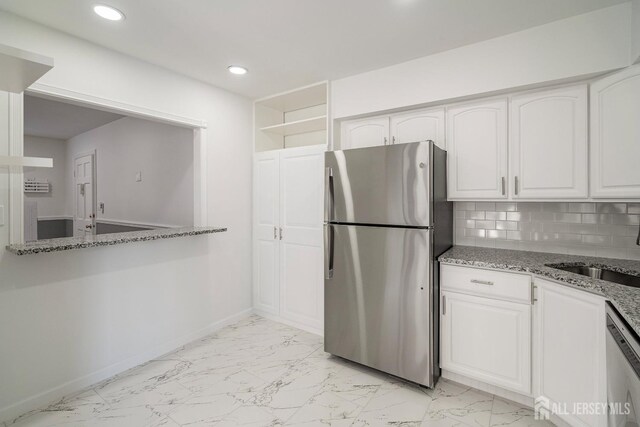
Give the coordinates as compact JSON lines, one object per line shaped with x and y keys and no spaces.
{"x":487,"y":339}
{"x":548,"y":143}
{"x":365,"y":133}
{"x":418,"y":126}
{"x":570,"y":347}
{"x":301,"y":219}
{"x":615,"y":135}
{"x":477,"y":150}
{"x":265,"y":232}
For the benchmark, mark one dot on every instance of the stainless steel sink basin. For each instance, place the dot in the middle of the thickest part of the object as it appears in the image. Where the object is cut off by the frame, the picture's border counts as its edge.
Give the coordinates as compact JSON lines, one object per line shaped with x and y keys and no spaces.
{"x":600,"y":273}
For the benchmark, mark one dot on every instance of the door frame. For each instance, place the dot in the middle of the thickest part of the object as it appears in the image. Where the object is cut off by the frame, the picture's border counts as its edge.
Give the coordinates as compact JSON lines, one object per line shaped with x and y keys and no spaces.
{"x":94,"y":185}
{"x":46,"y":91}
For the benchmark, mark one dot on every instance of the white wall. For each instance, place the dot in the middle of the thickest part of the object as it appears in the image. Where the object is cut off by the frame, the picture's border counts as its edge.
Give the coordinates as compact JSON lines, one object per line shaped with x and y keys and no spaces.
{"x":164,"y":156}
{"x":635,"y":28}
{"x":54,"y":203}
{"x":595,"y":42}
{"x":68,"y":319}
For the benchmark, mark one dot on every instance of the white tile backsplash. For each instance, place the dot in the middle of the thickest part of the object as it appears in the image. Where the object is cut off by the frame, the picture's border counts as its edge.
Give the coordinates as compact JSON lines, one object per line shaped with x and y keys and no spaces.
{"x":596,"y":229}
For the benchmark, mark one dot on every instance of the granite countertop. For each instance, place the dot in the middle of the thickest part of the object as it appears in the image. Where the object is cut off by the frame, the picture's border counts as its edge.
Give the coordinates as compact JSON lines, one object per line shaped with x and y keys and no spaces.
{"x":625,"y":299}
{"x":68,"y":243}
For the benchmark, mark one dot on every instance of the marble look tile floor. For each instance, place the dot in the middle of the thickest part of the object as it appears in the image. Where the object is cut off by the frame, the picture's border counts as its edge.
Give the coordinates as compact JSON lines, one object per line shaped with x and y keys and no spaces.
{"x":262,"y":373}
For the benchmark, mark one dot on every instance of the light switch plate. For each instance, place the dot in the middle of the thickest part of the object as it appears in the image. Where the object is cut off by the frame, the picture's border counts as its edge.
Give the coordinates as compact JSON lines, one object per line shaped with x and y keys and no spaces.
{"x":139,"y":177}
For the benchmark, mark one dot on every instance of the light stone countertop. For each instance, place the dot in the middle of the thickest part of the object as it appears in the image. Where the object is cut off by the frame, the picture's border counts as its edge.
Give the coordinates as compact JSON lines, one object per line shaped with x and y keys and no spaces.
{"x":625,"y":299}
{"x":68,"y":243}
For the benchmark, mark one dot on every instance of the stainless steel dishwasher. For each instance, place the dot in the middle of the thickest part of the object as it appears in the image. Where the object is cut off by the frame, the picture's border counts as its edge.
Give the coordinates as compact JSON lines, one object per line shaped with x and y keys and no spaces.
{"x":623,"y":371}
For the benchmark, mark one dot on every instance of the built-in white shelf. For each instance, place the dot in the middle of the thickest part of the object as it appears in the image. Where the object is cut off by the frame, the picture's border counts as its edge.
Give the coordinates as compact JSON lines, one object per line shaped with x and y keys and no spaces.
{"x":19,"y":161}
{"x":312,"y":124}
{"x":19,"y":68}
{"x":296,"y":118}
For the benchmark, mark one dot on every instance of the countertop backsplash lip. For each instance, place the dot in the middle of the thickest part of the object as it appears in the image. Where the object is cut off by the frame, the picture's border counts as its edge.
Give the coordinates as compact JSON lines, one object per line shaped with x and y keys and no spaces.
{"x":625,"y":299}
{"x":70,"y":243}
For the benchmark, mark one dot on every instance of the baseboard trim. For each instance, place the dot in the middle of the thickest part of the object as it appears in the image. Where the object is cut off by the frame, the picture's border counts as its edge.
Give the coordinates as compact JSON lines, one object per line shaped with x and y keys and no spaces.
{"x":489,"y":388}
{"x":288,"y":322}
{"x":79,"y":385}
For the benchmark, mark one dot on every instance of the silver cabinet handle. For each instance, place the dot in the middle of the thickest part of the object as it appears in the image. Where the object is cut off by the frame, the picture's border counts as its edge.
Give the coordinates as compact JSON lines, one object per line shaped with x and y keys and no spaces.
{"x":393,"y":140}
{"x":385,"y":140}
{"x":328,"y":194}
{"x":444,"y":305}
{"x":516,"y":185}
{"x":482,"y":282}
{"x":328,"y":251}
{"x":503,"y":186}
{"x":280,"y":233}
{"x":275,"y":232}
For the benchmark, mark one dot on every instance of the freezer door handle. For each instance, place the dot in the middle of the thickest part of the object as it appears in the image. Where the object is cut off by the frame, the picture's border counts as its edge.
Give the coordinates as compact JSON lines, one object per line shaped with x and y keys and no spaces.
{"x":328,"y":193}
{"x":328,"y":251}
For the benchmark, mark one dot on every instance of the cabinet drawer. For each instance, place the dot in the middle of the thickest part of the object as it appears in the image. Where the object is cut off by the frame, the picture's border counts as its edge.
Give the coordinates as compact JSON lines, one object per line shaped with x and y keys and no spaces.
{"x":487,"y":283}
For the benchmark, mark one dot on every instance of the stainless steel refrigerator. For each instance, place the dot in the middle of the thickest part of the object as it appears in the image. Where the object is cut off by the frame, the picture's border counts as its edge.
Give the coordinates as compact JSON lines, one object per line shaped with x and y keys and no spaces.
{"x":386,"y":222}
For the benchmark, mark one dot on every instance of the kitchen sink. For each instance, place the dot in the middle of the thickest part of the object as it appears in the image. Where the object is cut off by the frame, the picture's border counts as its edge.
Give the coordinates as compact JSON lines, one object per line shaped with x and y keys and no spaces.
{"x":599,"y":273}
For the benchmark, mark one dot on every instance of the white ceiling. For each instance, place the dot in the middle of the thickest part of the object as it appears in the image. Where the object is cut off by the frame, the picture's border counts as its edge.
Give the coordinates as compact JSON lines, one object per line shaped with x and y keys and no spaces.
{"x":289,"y":43}
{"x":53,"y":119}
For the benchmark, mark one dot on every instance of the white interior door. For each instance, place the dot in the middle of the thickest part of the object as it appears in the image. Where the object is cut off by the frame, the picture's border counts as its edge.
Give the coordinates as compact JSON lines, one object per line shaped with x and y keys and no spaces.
{"x":365,"y":133}
{"x":477,"y":150}
{"x":301,"y":219}
{"x":420,"y":125}
{"x":266,"y":220}
{"x":84,"y":207}
{"x":549,"y":143}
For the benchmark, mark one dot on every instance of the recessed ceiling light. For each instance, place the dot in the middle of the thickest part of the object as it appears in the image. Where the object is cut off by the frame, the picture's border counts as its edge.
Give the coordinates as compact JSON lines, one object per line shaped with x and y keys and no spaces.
{"x":108,"y":12}
{"x":236,"y":69}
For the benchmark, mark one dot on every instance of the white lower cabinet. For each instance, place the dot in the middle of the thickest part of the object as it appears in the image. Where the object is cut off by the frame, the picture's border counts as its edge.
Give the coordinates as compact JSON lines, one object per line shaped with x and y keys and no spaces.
{"x":488,"y":337}
{"x":552,"y":350}
{"x":288,"y":279}
{"x":570,"y":351}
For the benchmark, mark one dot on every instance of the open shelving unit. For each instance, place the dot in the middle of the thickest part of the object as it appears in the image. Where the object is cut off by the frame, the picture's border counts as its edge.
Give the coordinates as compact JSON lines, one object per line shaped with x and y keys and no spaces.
{"x":20,"y":68}
{"x":296,"y":118}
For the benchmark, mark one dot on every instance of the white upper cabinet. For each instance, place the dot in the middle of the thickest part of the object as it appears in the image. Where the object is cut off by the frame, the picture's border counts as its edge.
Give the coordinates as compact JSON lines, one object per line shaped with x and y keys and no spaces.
{"x":615,"y":135}
{"x":477,"y":150}
{"x":418,"y":126}
{"x":365,"y":133}
{"x":548,"y":143}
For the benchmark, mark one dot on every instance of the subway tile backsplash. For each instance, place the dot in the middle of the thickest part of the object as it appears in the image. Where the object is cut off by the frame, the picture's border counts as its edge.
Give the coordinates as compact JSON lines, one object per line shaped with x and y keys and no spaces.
{"x":597,"y":229}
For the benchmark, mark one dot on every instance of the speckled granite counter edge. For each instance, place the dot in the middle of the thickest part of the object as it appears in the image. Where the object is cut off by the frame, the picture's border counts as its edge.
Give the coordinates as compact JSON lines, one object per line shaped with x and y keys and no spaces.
{"x":70,"y":243}
{"x":624,"y":298}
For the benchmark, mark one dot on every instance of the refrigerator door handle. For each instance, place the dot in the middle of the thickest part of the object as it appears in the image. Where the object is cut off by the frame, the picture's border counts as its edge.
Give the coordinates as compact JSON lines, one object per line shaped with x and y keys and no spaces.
{"x":328,"y":251}
{"x":328,"y":193}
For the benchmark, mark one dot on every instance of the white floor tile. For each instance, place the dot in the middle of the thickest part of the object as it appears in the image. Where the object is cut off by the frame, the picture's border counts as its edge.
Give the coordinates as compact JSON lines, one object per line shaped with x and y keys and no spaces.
{"x":262,"y":373}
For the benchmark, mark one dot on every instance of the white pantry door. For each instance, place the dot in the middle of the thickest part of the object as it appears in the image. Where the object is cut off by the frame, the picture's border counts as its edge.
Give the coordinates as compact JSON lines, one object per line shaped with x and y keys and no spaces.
{"x":84,"y":212}
{"x":301,"y":219}
{"x":265,"y":228}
